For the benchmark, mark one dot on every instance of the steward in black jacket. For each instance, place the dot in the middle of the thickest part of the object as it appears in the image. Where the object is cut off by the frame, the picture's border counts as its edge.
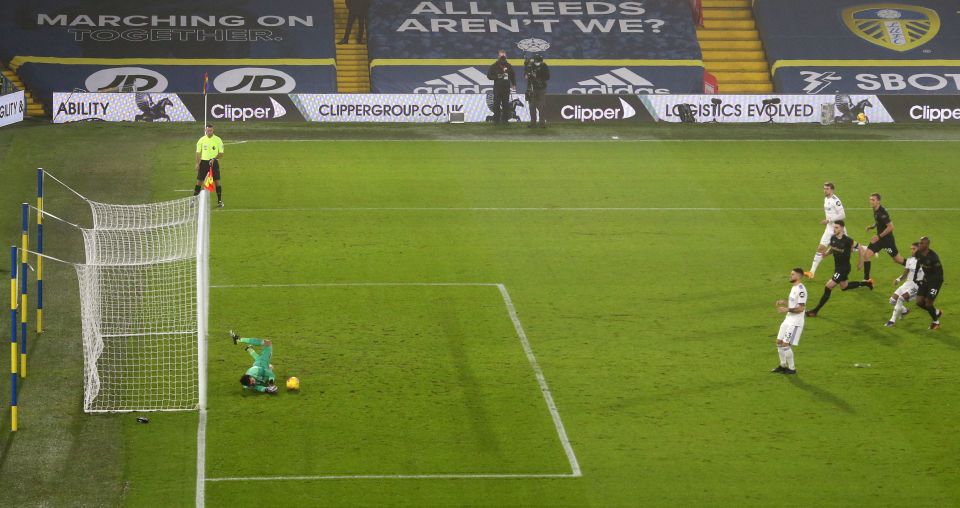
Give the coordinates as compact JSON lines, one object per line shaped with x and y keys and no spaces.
{"x":504,"y":79}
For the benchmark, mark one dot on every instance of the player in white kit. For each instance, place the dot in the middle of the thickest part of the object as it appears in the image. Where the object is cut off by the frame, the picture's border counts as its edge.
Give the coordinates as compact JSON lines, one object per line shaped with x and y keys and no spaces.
{"x":792,"y":326}
{"x":912,"y":275}
{"x":833,"y":209}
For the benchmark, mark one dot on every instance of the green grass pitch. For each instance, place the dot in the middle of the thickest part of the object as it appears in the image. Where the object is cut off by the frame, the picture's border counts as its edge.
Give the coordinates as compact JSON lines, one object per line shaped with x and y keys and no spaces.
{"x":643,"y":271}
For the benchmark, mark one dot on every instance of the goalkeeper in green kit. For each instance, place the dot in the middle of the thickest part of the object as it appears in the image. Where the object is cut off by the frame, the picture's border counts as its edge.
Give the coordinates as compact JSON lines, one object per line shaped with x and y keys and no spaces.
{"x":260,"y":377}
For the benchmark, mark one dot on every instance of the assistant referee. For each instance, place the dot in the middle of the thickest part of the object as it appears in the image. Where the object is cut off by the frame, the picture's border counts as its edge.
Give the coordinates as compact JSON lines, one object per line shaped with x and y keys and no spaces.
{"x":209,"y":152}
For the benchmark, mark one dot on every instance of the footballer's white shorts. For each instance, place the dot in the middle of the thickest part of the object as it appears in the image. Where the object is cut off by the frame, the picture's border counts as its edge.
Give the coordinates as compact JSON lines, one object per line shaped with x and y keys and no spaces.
{"x":790,"y":332}
{"x":828,"y":232}
{"x":908,"y":288}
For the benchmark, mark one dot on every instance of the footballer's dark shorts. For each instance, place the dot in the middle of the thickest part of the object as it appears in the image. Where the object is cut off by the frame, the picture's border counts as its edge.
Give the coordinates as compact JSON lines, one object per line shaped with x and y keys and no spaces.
{"x":929,"y":290}
{"x":886,"y":243}
{"x":841,"y":274}
{"x":205,"y":167}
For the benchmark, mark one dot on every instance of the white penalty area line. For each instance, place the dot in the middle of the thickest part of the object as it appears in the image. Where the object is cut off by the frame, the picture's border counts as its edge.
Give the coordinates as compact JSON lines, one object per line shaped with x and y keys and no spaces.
{"x":542,"y":381}
{"x":575,"y":471}
{"x":336,"y":284}
{"x":494,"y":476}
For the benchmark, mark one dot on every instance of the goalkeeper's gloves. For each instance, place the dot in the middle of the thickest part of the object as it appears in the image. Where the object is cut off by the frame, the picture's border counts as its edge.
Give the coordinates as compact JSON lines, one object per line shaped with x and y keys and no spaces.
{"x":271,"y":389}
{"x":234,"y":336}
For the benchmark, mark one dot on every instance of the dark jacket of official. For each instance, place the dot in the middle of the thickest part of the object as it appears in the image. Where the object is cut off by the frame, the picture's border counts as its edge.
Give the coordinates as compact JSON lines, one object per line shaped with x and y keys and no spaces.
{"x":537,"y":77}
{"x":501,"y":72}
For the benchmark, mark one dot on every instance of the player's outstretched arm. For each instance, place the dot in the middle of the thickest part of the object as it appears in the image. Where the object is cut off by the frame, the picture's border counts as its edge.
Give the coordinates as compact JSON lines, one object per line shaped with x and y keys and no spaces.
{"x":903,"y":276}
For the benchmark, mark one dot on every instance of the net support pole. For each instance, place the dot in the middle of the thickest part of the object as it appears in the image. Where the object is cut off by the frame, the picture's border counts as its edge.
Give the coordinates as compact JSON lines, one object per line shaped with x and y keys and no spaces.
{"x":24,"y":252}
{"x":202,"y":297}
{"x":13,"y":338}
{"x":40,"y":250}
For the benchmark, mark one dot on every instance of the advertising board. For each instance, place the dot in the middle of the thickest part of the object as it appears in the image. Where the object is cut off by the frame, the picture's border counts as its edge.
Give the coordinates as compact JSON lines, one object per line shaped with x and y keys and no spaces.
{"x":12,"y":108}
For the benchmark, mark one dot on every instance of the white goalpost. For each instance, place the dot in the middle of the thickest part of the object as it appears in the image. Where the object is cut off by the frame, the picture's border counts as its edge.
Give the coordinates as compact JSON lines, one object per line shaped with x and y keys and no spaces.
{"x":144,"y":291}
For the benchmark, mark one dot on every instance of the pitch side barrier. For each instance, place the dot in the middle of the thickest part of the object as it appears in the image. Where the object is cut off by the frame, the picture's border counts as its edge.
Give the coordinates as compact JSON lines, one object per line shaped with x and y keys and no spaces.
{"x":911,"y":47}
{"x":12,"y":108}
{"x":477,"y":108}
{"x":594,"y":46}
{"x":156,"y":47}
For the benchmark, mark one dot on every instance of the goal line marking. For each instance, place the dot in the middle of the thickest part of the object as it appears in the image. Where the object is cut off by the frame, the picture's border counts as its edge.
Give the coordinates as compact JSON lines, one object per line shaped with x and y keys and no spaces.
{"x":575,"y":471}
{"x":560,"y":209}
{"x":201,"y":458}
{"x":606,"y":139}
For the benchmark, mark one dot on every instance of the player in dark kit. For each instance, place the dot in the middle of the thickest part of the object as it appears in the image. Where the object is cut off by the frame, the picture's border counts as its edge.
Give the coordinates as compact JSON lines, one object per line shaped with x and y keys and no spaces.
{"x":841,"y":246}
{"x":929,"y":288}
{"x":883,"y":240}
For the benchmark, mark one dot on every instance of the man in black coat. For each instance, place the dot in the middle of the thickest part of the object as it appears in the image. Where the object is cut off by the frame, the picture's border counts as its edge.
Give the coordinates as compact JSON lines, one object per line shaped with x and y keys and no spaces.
{"x":504,"y":79}
{"x":356,"y":10}
{"x":537,"y":73}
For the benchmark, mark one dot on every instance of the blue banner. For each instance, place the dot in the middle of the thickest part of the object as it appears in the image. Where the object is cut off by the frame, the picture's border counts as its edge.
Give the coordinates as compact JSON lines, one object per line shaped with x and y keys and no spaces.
{"x":580,"y":79}
{"x":858,"y":46}
{"x":58,"y":45}
{"x":179,"y":79}
{"x":866,"y":79}
{"x":589,"y":30}
{"x":859,"y":29}
{"x":447,"y":47}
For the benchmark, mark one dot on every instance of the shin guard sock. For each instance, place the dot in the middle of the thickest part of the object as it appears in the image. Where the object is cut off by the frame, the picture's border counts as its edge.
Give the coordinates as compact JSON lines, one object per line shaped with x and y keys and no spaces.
{"x":817,"y":258}
{"x":900,"y":309}
{"x":788,"y":354}
{"x":823,"y":299}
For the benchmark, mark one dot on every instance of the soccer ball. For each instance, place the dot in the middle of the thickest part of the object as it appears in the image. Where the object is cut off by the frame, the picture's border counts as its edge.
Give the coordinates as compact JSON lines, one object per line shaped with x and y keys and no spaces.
{"x":293,"y":383}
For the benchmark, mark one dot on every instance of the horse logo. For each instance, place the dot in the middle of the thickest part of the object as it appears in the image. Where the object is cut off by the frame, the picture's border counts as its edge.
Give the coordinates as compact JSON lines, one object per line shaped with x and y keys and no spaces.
{"x":152,"y":111}
{"x":511,"y":112}
{"x":850,"y":111}
{"x":893,"y":26}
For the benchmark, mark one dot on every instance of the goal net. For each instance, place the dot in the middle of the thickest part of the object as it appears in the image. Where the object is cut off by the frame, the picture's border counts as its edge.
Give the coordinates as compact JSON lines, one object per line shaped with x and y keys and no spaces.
{"x":143,"y":302}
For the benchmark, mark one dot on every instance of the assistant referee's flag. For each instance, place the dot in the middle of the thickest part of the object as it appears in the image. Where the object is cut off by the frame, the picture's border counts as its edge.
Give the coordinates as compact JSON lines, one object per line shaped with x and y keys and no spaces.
{"x":208,"y":181}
